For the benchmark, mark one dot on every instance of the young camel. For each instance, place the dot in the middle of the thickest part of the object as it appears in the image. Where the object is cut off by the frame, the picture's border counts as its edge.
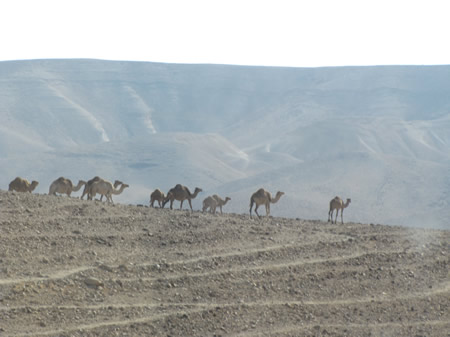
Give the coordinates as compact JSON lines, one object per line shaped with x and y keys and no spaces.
{"x":181,"y":193}
{"x":212,"y":202}
{"x":157,"y":195}
{"x":22,"y":185}
{"x":337,"y":204}
{"x":105,"y":188}
{"x":263,"y":197}
{"x":221,"y":202}
{"x":64,"y":186}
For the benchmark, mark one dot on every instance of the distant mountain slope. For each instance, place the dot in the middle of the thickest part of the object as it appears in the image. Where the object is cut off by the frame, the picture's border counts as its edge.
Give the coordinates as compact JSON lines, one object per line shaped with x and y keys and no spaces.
{"x":380,"y":135}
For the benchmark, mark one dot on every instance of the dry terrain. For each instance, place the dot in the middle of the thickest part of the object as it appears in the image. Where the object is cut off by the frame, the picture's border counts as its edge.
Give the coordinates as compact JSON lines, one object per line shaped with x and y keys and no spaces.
{"x":86,"y":268}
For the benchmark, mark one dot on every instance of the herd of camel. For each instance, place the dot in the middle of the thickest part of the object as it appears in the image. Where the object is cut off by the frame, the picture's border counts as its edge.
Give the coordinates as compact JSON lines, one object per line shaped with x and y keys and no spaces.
{"x":180,"y":193}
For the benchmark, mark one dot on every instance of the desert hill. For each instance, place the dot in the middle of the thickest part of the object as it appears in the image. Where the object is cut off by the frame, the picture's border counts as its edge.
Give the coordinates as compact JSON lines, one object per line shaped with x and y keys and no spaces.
{"x":377,"y":135}
{"x":85,"y":268}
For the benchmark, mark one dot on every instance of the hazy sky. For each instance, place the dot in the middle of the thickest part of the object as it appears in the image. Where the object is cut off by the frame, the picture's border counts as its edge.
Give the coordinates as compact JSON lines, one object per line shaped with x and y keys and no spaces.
{"x":252,"y":32}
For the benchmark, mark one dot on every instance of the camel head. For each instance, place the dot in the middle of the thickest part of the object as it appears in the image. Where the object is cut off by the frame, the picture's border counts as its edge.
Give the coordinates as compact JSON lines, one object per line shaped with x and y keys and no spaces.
{"x":33,"y":185}
{"x":277,"y":197}
{"x":117,"y":183}
{"x":81,"y":183}
{"x":348,"y":202}
{"x":197,"y":191}
{"x":224,"y":202}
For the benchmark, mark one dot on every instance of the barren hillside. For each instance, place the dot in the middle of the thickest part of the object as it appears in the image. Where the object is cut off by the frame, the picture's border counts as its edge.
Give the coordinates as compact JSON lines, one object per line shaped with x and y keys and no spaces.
{"x":85,"y":268}
{"x":378,"y":135}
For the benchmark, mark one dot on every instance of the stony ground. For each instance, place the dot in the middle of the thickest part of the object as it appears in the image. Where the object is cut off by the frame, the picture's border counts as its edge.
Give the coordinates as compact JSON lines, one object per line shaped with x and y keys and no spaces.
{"x":85,"y":268}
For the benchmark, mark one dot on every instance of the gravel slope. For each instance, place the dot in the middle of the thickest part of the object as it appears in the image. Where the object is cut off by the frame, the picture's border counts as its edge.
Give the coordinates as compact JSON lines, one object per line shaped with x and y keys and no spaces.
{"x":85,"y":268}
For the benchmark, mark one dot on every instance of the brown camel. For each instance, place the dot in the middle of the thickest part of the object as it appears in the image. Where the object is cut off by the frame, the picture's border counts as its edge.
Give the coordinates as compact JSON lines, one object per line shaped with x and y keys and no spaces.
{"x":337,"y":204}
{"x":263,"y":197}
{"x":212,"y":202}
{"x":22,"y":185}
{"x":221,"y":202}
{"x":105,"y":188}
{"x":157,"y":195}
{"x":64,"y":186}
{"x":181,"y":193}
{"x":87,"y":187}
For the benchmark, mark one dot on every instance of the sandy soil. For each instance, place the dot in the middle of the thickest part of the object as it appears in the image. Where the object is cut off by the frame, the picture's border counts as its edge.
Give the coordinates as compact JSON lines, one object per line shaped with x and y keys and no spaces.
{"x":85,"y":268}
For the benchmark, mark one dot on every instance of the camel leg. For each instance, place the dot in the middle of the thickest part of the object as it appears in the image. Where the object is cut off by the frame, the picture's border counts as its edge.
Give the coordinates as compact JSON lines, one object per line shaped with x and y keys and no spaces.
{"x":330,"y":212}
{"x":267,"y":209}
{"x":171,"y":204}
{"x":190,"y":204}
{"x":251,"y":206}
{"x":181,"y":204}
{"x":337,"y":212}
{"x":342,"y":216}
{"x":256,"y":210}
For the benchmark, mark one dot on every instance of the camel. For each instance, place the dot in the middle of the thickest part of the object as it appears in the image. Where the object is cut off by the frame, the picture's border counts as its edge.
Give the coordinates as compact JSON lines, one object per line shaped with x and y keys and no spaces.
{"x":181,"y":193}
{"x":105,"y":188}
{"x":64,"y":186}
{"x":212,"y":202}
{"x":157,"y":195}
{"x":22,"y":185}
{"x":263,"y":197}
{"x":87,"y":187}
{"x":337,"y":204}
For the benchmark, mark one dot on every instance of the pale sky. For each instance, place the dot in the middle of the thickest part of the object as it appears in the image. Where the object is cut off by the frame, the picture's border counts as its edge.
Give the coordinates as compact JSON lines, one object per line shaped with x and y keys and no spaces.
{"x":298,"y":33}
